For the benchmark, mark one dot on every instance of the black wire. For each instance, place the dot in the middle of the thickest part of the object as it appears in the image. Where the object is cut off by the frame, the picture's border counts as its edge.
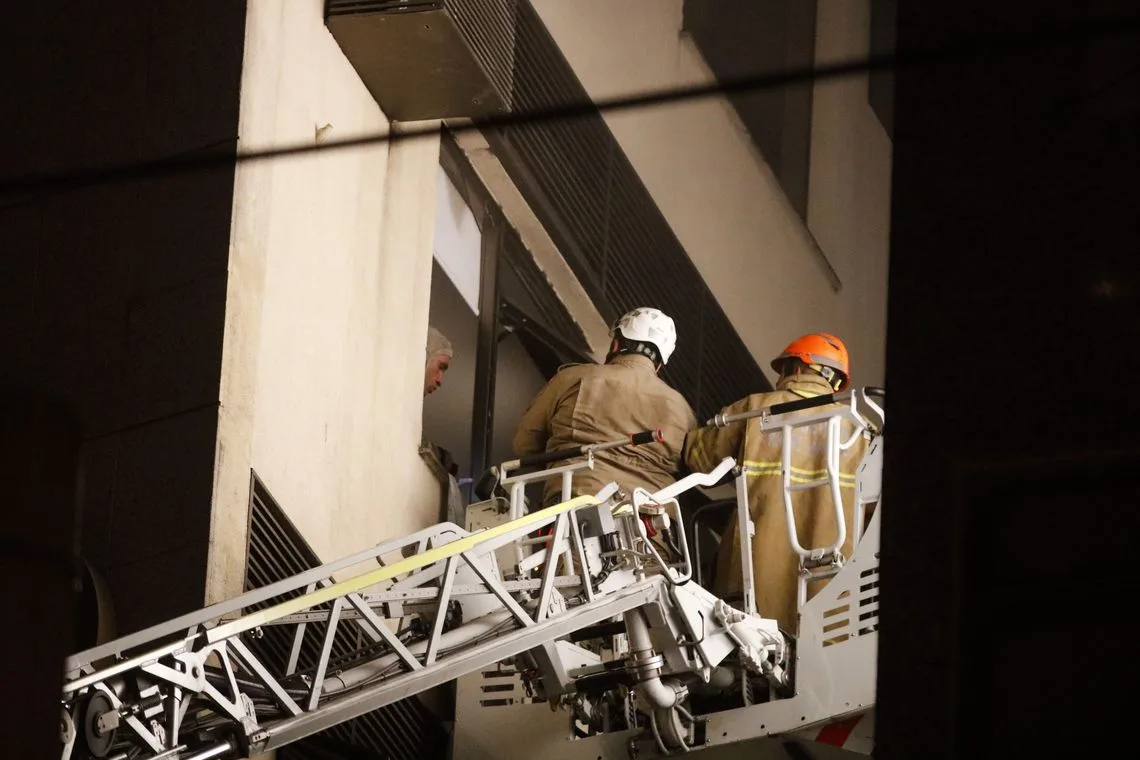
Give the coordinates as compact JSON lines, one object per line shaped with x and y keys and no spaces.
{"x":1058,"y":33}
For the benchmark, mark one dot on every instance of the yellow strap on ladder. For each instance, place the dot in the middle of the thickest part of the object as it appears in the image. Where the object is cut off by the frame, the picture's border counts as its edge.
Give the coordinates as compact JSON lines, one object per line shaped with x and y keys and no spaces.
{"x":415,"y":562}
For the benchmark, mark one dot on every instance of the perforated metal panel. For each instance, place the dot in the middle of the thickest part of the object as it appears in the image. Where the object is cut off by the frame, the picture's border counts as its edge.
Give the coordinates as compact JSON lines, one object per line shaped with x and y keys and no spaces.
{"x":404,"y":730}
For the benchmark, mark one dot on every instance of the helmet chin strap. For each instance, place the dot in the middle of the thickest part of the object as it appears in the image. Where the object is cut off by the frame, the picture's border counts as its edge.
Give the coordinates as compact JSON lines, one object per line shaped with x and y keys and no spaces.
{"x":833,"y":378}
{"x":626,"y":346}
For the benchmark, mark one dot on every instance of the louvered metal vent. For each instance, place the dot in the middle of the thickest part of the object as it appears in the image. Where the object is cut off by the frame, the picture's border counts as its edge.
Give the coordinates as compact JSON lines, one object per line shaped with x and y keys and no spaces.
{"x":404,"y":730}
{"x":488,"y":27}
{"x":592,"y":202}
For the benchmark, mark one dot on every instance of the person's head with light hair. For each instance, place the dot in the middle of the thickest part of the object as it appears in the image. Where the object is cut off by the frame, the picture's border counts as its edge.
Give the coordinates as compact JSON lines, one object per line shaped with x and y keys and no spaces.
{"x":439,"y":353}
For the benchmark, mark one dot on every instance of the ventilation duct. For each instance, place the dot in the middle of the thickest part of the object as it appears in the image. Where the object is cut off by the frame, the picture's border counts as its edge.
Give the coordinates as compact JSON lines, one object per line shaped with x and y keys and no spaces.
{"x":429,"y":59}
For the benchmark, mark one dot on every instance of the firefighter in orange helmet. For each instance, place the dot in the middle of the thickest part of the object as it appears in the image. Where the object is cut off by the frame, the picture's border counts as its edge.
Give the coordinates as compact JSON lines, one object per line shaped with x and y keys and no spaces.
{"x":812,"y":365}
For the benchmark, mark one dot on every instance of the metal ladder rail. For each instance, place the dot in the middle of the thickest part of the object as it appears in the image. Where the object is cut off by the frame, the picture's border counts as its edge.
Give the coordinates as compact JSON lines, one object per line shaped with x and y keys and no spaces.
{"x":185,"y":628}
{"x":180,"y":666}
{"x":507,"y":473}
{"x":822,"y":562}
{"x":447,"y":668}
{"x":856,"y":405}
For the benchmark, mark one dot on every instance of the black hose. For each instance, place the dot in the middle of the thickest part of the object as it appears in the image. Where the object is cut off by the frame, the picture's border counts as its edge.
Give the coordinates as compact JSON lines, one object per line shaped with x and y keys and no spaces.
{"x":217,"y":677}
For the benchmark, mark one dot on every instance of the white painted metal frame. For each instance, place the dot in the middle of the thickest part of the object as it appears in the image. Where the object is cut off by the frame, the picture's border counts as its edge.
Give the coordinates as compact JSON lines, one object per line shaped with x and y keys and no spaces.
{"x":836,"y":649}
{"x":175,"y":655}
{"x":836,"y":656}
{"x":439,"y":564}
{"x":818,"y":562}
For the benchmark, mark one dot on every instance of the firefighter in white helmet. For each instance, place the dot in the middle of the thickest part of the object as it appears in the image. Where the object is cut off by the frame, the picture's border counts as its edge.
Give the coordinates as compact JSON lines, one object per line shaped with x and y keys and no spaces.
{"x":593,"y":403}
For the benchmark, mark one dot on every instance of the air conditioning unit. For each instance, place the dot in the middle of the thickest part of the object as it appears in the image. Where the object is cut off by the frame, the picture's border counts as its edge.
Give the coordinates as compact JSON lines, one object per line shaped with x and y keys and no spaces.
{"x":429,"y":59}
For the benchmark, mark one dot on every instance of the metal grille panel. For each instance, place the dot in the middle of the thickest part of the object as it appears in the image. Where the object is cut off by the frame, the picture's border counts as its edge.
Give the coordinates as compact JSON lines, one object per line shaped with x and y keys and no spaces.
{"x":489,"y":28}
{"x":858,"y":615}
{"x":404,"y":730}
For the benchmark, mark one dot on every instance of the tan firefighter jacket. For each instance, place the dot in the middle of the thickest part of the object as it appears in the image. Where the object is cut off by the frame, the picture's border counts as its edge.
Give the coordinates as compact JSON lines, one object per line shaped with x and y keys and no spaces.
{"x":597,"y":403}
{"x":774,"y":562}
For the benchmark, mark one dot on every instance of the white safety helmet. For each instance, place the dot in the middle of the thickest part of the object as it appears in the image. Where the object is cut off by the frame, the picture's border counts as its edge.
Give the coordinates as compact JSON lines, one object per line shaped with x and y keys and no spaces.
{"x":651,"y":326}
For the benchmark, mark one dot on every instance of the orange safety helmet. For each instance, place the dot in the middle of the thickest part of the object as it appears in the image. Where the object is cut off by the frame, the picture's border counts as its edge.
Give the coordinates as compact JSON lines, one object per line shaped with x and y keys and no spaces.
{"x":819,"y":350}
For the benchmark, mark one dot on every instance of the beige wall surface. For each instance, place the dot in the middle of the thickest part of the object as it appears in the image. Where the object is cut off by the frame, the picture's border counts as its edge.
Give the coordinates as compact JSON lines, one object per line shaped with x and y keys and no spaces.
{"x":720,"y":197}
{"x":327,"y":308}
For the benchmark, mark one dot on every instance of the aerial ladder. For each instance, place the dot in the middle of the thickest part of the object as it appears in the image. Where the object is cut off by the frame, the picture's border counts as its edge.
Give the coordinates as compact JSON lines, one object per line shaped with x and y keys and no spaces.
{"x":593,"y":607}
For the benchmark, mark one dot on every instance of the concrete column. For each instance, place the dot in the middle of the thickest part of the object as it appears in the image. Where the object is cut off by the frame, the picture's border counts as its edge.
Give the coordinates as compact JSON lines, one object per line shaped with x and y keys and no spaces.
{"x":405,"y":278}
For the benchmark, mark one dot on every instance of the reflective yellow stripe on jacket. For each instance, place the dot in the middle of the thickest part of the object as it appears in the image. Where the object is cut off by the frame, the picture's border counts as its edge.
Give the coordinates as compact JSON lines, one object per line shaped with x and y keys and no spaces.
{"x":798,"y":474}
